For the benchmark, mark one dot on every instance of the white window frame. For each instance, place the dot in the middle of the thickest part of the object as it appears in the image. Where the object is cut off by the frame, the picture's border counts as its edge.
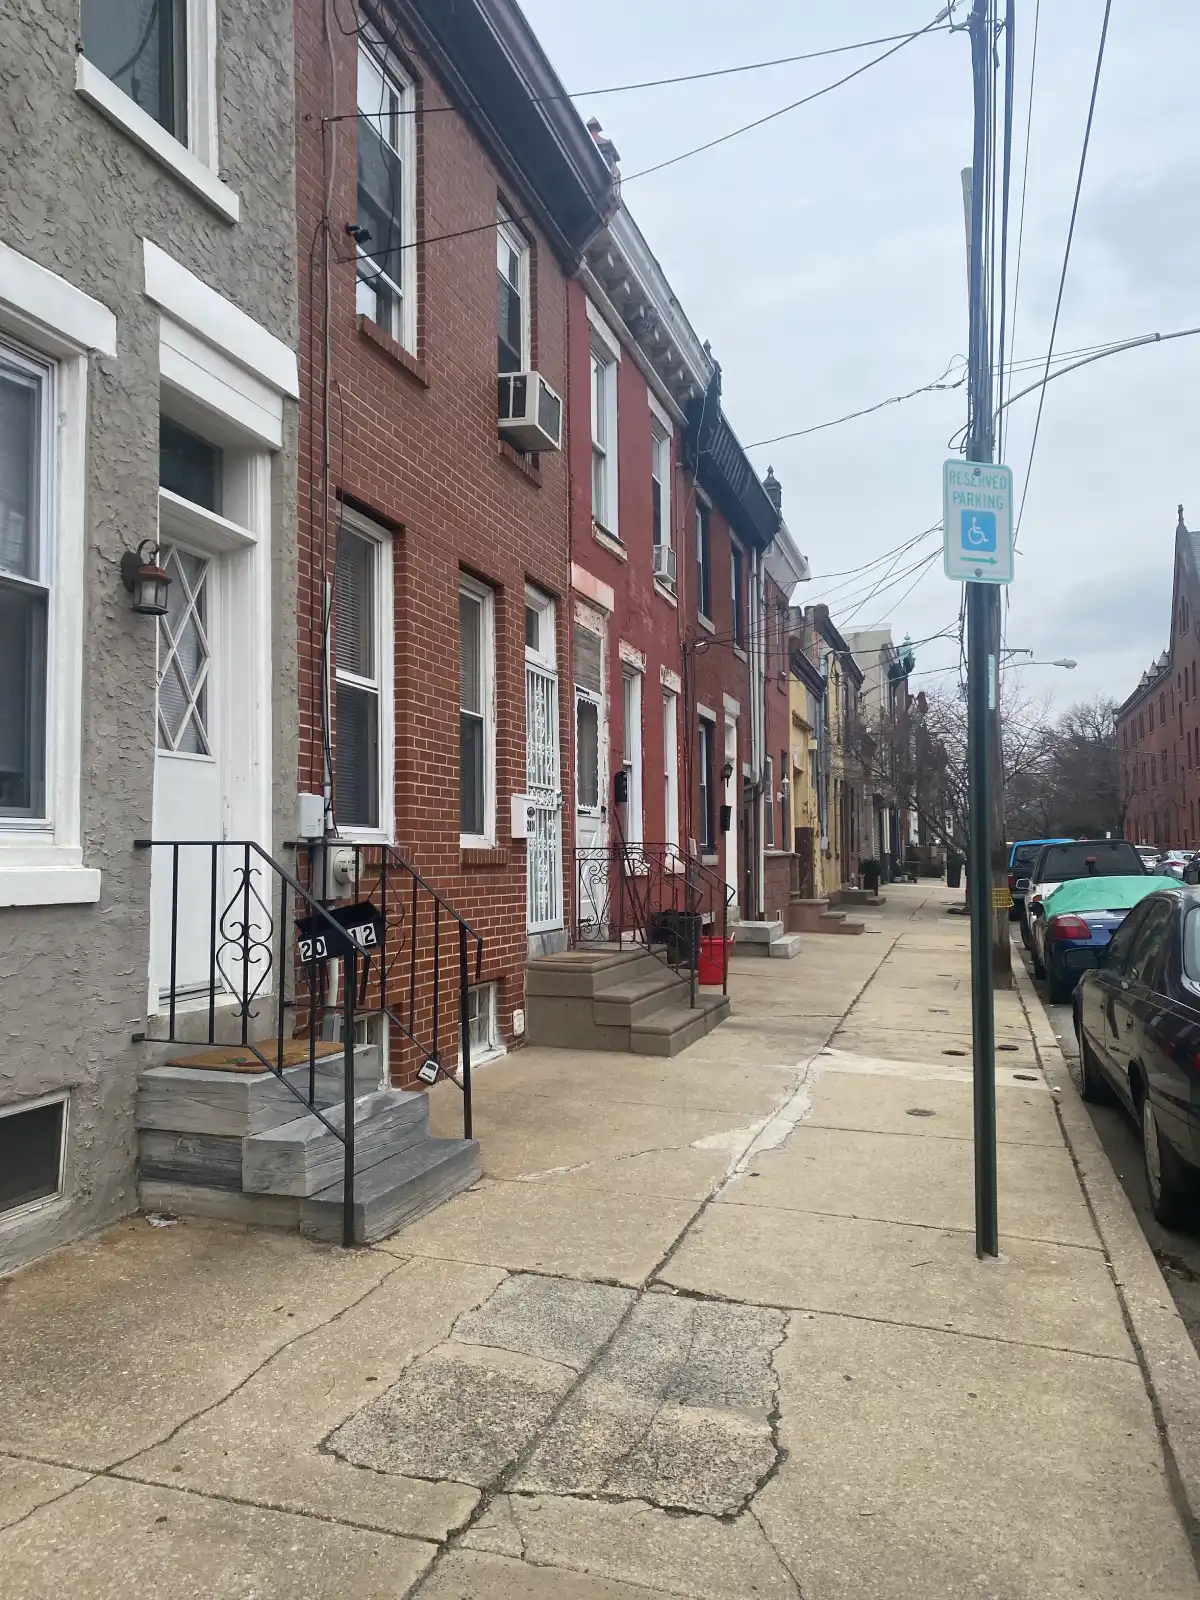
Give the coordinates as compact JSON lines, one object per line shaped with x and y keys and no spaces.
{"x":632,"y":683}
{"x":401,"y":274}
{"x":605,"y":361}
{"x":703,"y":521}
{"x":671,"y":767}
{"x":709,"y":777}
{"x":769,"y":797}
{"x":58,"y":1097}
{"x":661,"y":437}
{"x":509,"y":234}
{"x":739,"y":618}
{"x":194,"y":159}
{"x":384,"y":624}
{"x":41,"y":863}
{"x":490,"y":994}
{"x":487,"y":661}
{"x":537,"y":600}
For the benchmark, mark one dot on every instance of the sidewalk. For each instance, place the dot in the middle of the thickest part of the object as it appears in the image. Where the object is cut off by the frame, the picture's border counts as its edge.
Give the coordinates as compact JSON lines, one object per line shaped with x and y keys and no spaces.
{"x":709,"y":1327}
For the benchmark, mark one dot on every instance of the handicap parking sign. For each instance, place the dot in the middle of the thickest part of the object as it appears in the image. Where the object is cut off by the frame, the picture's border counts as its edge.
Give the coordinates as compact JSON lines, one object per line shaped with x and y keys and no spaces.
{"x":978,"y":532}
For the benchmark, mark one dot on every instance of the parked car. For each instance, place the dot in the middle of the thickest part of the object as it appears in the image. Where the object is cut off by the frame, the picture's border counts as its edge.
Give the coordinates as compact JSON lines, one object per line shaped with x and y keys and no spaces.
{"x":1077,"y":923}
{"x":1020,"y":860}
{"x":1149,"y":853}
{"x":1078,"y":858}
{"x":1137,"y":1019}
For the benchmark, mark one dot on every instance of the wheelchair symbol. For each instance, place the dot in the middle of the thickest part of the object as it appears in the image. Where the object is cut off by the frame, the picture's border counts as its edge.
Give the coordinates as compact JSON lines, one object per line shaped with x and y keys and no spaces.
{"x":978,"y":530}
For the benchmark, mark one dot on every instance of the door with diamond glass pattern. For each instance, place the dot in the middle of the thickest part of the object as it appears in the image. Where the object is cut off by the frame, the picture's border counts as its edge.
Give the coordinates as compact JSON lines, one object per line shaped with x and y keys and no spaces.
{"x":189,"y":783}
{"x":543,"y":844}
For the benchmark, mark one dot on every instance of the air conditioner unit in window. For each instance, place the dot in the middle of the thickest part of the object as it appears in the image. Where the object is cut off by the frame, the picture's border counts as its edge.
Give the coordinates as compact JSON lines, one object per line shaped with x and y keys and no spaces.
{"x":664,"y":564}
{"x":530,"y":411}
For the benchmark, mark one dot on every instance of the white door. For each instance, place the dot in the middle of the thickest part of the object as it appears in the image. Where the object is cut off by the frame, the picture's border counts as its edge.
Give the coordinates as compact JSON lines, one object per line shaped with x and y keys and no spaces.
{"x":189,"y":781}
{"x":731,"y":795}
{"x":543,"y":846}
{"x":591,"y":816}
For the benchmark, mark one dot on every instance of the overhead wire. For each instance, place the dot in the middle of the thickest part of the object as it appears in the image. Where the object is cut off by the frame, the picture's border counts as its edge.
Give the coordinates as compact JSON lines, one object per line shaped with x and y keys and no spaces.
{"x":850,"y":589}
{"x":1062,"y":280}
{"x":1037,"y":17}
{"x":896,"y":604}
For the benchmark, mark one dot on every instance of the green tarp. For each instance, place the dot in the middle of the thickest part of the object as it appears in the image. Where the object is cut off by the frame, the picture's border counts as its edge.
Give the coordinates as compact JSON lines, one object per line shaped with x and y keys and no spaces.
{"x":1102,"y":894}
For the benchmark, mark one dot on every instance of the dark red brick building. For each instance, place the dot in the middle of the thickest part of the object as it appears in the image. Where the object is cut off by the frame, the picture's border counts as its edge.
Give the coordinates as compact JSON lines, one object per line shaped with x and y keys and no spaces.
{"x":1158,"y":727}
{"x":436,"y":245}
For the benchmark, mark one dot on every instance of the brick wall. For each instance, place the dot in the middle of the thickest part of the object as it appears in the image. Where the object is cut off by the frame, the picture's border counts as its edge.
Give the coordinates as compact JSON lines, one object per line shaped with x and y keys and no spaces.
{"x":414,"y":444}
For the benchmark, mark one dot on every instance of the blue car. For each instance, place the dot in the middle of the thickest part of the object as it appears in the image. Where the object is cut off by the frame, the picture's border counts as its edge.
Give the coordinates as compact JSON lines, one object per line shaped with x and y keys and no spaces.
{"x":1080,"y":920}
{"x":1020,"y":858}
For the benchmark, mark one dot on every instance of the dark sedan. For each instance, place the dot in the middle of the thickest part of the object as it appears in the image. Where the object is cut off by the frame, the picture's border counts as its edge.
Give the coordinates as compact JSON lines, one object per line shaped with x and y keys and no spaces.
{"x":1137,"y":1018}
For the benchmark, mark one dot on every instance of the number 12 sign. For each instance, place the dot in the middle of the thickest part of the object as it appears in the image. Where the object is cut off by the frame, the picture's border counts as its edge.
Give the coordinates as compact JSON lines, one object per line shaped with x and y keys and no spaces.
{"x":977,"y":509}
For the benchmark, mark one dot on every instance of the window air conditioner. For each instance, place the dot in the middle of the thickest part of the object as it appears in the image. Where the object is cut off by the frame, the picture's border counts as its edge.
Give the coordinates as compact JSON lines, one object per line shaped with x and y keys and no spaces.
{"x":530,"y":411}
{"x":664,"y":563}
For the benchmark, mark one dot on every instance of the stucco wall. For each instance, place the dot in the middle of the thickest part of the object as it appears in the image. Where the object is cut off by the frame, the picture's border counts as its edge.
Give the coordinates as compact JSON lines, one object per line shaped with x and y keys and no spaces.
{"x":77,"y":196}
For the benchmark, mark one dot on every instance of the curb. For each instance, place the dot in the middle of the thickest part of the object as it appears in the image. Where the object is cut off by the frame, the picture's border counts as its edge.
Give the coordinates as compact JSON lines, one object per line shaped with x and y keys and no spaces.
{"x":1169,"y":1362}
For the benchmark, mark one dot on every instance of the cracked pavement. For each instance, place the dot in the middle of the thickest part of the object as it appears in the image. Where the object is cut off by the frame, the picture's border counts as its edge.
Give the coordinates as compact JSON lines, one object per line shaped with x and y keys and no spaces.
{"x":708,"y":1327}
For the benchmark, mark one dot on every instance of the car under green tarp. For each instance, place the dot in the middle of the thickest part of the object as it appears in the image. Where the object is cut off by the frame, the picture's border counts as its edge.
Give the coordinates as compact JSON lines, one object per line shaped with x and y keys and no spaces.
{"x":1082,"y":895}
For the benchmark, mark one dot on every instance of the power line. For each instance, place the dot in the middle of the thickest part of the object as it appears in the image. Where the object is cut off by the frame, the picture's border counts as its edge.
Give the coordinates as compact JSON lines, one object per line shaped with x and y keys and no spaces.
{"x":864,"y":583}
{"x":851,"y":416}
{"x":888,"y":581}
{"x":1062,"y":281}
{"x":896,"y":604}
{"x":866,"y":566}
{"x":1037,"y":17}
{"x":794,"y":105}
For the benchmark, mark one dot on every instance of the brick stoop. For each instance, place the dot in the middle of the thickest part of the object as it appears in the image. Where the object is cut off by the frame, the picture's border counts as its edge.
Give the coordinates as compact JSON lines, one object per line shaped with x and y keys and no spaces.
{"x":814,"y":916}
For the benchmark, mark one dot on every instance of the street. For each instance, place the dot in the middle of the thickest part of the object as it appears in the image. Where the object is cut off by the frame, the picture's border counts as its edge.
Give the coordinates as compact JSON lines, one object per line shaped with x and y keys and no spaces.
{"x":1178,"y":1253}
{"x":711,"y":1326}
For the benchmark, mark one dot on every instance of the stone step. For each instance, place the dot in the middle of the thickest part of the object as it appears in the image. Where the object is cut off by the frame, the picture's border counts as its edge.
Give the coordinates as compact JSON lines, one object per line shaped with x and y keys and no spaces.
{"x":674,"y":1028}
{"x":785,"y":948}
{"x":303,"y":1157}
{"x":755,"y":933}
{"x":395,"y":1192}
{"x":236,"y":1103}
{"x":628,"y":1003}
{"x":587,"y":973}
{"x":836,"y":922}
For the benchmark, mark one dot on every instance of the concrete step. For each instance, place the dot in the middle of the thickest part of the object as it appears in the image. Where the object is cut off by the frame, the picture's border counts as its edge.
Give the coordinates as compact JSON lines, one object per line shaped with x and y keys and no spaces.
{"x":395,"y":1192}
{"x":837,"y":922}
{"x":235,"y":1102}
{"x":755,"y":933}
{"x":586,"y":972}
{"x":850,"y":896}
{"x":676,"y":1027}
{"x":303,"y":1157}
{"x":785,"y":948}
{"x":627,"y":1003}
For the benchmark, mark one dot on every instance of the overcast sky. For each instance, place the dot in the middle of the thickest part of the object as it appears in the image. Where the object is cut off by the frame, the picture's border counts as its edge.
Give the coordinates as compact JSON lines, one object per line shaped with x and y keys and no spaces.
{"x":824,"y":257}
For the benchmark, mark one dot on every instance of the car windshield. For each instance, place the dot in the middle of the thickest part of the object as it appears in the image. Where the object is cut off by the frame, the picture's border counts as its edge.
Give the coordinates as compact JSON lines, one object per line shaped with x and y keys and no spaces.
{"x":1105,"y":858}
{"x":1024,"y":855}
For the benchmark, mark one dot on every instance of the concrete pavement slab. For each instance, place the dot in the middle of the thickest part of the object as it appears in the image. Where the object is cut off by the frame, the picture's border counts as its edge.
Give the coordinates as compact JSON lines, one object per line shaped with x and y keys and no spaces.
{"x":1054,"y":1295}
{"x":921,"y":1045}
{"x":110,"y":1343}
{"x":925,"y":1181}
{"x":687,"y":1174}
{"x":877,"y":1103}
{"x":25,"y":1485}
{"x":1019,"y":1474}
{"x":700,"y":1558}
{"x":262,"y":1444}
{"x":111,"y":1540}
{"x":575,"y":1233}
{"x":466,"y":1575}
{"x":550,"y":1319}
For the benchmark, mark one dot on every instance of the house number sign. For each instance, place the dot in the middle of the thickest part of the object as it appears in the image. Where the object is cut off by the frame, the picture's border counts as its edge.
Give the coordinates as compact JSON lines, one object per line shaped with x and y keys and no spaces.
{"x":361,"y":928}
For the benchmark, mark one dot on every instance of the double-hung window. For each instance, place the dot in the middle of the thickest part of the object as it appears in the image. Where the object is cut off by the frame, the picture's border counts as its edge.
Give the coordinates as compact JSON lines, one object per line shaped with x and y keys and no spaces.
{"x":27,"y":429}
{"x":513,"y":318}
{"x":604,"y":439}
{"x":703,"y":560}
{"x":631,"y":756}
{"x":769,"y":804}
{"x":708,"y":736}
{"x":737,"y":596}
{"x":477,"y":714}
{"x":142,"y":46}
{"x":362,"y":667}
{"x":386,"y":223}
{"x":660,"y":483}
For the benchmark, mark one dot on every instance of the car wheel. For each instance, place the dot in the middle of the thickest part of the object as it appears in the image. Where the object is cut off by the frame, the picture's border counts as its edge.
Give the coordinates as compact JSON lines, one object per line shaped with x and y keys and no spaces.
{"x":1092,"y":1085}
{"x":1025,"y":938}
{"x":1166,"y":1176}
{"x":1039,"y":970}
{"x":1058,"y":989}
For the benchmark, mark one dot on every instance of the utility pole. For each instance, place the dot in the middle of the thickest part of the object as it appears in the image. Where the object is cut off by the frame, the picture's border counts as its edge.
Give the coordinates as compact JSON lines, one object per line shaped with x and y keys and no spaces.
{"x":983,"y":678}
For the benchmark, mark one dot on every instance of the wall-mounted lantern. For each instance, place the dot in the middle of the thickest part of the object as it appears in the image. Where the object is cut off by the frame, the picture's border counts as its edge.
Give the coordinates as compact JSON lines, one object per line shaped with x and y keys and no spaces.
{"x":146,"y":581}
{"x":727,"y":772}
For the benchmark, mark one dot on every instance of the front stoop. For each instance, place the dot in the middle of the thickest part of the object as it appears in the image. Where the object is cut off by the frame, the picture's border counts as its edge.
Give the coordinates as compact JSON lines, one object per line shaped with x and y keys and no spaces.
{"x":814,"y":916}
{"x":764,"y":939}
{"x":625,"y":1000}
{"x":218,"y":1137}
{"x":848,"y":895}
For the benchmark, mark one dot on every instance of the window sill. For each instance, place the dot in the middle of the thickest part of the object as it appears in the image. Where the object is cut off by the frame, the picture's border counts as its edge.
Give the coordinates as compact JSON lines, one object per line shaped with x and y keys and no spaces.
{"x":526,"y":467}
{"x":48,"y":885}
{"x":664,"y":593}
{"x":706,"y":623}
{"x":470,"y":855}
{"x":113,"y":103}
{"x":393,"y":348}
{"x":740,"y":653}
{"x":609,"y":541}
{"x":708,"y":858}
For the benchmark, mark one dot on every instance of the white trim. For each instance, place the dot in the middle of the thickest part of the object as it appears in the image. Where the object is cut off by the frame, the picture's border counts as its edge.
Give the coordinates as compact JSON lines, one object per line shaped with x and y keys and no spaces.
{"x":662,"y":438}
{"x":384,"y":624}
{"x":507,"y":230}
{"x":541,"y":602}
{"x":401,"y":276}
{"x":202,"y":82}
{"x":60,"y":1097}
{"x":596,"y":590}
{"x":631,"y":656}
{"x":732,"y":707}
{"x":631,"y":741}
{"x":670,"y":700}
{"x":38,"y":877}
{"x":54,"y":305}
{"x":706,"y":712}
{"x":602,"y":334}
{"x":218,"y":321}
{"x":116,"y":105}
{"x":670,"y":680}
{"x":700,"y":495}
{"x":190,"y":365}
{"x":195,"y":525}
{"x":706,"y":623}
{"x":605,"y":518}
{"x":659,"y":413}
{"x":487,"y":663}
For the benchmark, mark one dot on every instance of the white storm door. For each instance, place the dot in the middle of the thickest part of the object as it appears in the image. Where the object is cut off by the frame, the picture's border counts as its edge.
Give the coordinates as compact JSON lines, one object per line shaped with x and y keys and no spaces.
{"x":591,"y":818}
{"x":543,"y":786}
{"x":730,"y":792}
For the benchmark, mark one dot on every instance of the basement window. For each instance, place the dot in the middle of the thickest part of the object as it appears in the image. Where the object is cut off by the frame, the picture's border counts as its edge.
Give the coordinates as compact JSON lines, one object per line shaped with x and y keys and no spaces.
{"x":32,"y":1153}
{"x":484,"y":1031}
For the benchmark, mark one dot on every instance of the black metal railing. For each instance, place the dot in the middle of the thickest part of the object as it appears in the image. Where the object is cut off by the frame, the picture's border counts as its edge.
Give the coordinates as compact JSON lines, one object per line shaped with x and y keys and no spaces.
{"x":655,"y":896}
{"x":246,"y":954}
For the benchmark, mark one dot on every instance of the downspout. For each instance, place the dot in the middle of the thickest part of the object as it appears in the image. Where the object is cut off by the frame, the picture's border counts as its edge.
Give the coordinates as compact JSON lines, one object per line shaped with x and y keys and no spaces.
{"x":758,"y":711}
